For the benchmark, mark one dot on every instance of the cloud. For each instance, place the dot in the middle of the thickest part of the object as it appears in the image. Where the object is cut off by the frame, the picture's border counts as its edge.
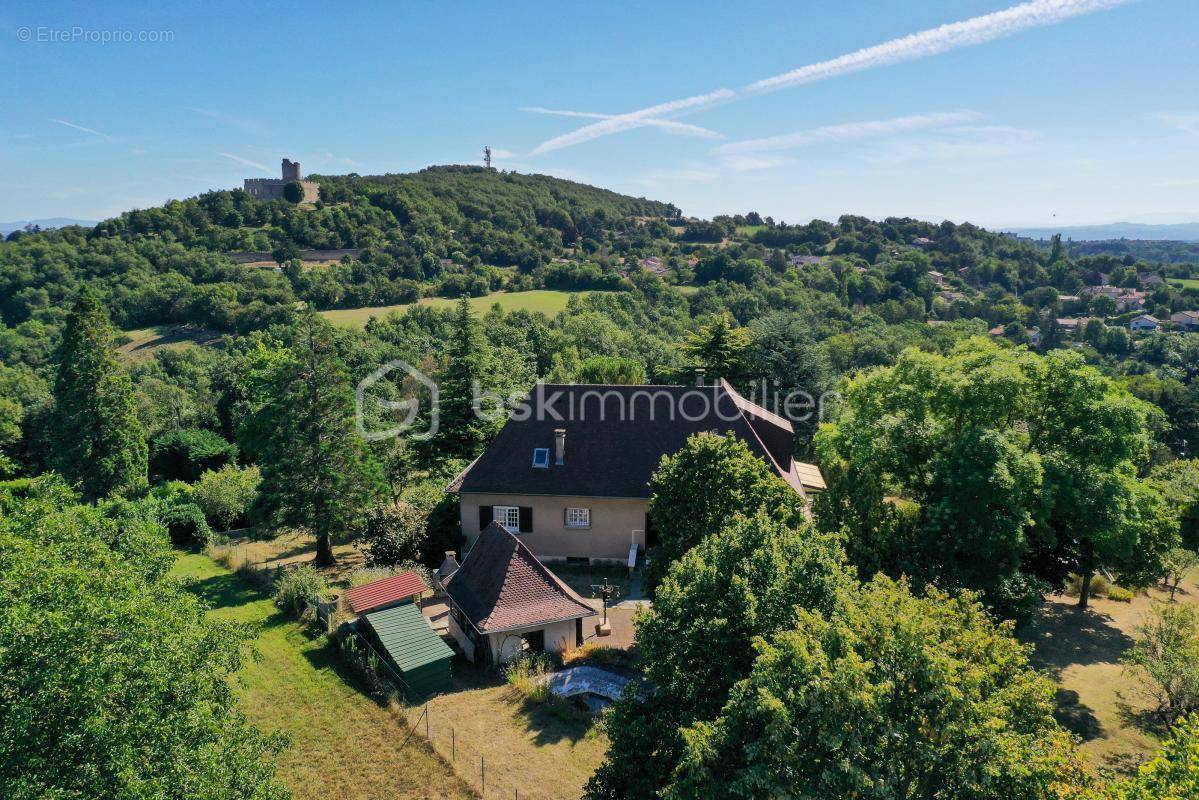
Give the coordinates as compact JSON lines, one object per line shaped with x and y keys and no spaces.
{"x":92,"y":131}
{"x":633,"y":119}
{"x":1188,"y":123}
{"x":976,"y":30}
{"x":934,"y":41}
{"x":245,"y":162}
{"x":232,"y":120}
{"x":669,"y":126}
{"x":848,"y":130}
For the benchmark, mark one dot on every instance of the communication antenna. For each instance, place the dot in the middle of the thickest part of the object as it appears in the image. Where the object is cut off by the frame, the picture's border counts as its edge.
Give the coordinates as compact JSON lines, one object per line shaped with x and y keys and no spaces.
{"x":487,"y":157}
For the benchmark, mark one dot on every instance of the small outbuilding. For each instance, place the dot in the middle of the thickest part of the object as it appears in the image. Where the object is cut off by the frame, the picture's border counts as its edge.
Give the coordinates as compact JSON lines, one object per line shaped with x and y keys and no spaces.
{"x":504,"y":601}
{"x":422,"y":660}
{"x":396,"y":590}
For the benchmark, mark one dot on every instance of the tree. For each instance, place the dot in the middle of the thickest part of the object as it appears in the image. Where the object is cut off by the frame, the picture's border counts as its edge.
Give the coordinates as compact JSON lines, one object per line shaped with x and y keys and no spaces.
{"x":1164,"y":659}
{"x":1179,"y":562}
{"x":747,"y":580}
{"x":182,"y":454}
{"x":700,"y":488}
{"x":115,"y":684}
{"x":227,"y":495}
{"x":98,"y":442}
{"x":611,"y":370}
{"x":720,"y":347}
{"x":316,"y":472}
{"x":293,"y":192}
{"x":1178,"y":481}
{"x":394,"y":534}
{"x":462,"y":432}
{"x":1173,"y":773}
{"x":891,"y":695}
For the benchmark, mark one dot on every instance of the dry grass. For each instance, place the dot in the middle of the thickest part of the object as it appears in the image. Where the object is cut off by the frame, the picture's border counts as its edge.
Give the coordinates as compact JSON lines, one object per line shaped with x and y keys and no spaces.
{"x":1081,"y":650}
{"x":288,"y":549}
{"x":345,"y":745}
{"x":144,"y":342}
{"x":546,"y":751}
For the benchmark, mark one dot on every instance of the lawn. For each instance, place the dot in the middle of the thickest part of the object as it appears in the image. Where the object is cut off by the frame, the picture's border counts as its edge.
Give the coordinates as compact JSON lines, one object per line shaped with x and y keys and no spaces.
{"x":748,"y":231}
{"x":1185,"y":283}
{"x":545,"y":753}
{"x":344,"y":744}
{"x":1081,"y":650}
{"x":547,"y":301}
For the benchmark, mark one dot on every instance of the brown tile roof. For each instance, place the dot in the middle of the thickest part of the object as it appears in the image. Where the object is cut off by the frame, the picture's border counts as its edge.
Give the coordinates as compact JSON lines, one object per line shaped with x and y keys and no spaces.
{"x":502,"y":586}
{"x":616,"y":437}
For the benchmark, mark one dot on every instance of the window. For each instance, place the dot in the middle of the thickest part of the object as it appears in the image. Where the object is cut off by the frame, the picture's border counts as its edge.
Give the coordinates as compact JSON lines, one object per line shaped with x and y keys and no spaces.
{"x":509,"y":517}
{"x":541,"y":457}
{"x":578,"y":517}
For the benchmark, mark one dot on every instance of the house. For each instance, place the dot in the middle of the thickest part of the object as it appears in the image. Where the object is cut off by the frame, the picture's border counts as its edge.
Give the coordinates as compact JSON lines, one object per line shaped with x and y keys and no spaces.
{"x":654,"y":264}
{"x":1073,"y":324}
{"x":406,"y":587}
{"x":938,"y":277}
{"x":416,"y":655}
{"x":998,"y":330}
{"x":503,"y":601}
{"x":1185,"y":320}
{"x":569,"y":472}
{"x":1143,"y":323}
{"x":922,"y":242}
{"x":1131,"y":301}
{"x":805,"y":261}
{"x":1152,"y":279}
{"x":950,"y":297}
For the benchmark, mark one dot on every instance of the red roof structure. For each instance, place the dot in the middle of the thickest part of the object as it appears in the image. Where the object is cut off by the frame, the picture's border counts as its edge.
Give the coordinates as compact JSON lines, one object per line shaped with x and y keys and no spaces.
{"x":501,"y":586}
{"x":386,"y":592}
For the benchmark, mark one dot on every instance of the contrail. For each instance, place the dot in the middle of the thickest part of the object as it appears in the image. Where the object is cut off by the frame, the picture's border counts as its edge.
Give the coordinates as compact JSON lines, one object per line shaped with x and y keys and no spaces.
{"x":848,"y":130}
{"x":670,"y":126}
{"x":245,"y":161}
{"x":79,"y":127}
{"x":976,"y":30}
{"x":634,"y":119}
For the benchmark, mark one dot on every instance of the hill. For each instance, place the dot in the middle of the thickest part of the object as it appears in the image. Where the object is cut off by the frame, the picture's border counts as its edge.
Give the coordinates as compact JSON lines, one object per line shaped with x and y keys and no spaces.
{"x":50,"y":222}
{"x":1182,"y":232}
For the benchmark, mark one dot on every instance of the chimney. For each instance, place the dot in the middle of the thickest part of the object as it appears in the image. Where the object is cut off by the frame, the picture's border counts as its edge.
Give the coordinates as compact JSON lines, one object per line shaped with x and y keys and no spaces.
{"x":699,"y":376}
{"x":559,"y":445}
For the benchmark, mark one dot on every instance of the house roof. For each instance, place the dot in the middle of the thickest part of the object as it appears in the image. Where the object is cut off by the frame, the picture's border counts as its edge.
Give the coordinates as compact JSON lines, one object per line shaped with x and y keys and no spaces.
{"x":384,"y":592}
{"x":501,"y":586}
{"x":616,"y":437}
{"x":407,"y":637}
{"x":809,"y":476}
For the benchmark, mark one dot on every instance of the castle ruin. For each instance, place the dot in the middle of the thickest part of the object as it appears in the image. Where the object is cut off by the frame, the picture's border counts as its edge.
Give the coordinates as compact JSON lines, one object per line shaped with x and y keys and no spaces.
{"x":272,"y":188}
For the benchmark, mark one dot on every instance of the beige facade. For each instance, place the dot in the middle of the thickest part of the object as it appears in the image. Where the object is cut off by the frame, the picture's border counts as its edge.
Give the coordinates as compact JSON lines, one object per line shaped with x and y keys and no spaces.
{"x":616,"y":525}
{"x":559,"y":636}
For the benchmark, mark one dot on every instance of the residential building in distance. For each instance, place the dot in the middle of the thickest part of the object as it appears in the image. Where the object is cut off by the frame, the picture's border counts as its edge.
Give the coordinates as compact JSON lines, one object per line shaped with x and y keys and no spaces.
{"x":1144,"y":323}
{"x":1185,"y":320}
{"x":569,"y":472}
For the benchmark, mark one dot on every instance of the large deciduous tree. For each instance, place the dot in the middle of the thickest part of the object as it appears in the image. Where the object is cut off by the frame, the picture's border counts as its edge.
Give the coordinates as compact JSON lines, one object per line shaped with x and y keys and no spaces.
{"x":98,"y":442}
{"x":745,"y":581}
{"x":316,"y":471}
{"x":704,"y":485}
{"x":889,"y":696}
{"x":114,"y":682}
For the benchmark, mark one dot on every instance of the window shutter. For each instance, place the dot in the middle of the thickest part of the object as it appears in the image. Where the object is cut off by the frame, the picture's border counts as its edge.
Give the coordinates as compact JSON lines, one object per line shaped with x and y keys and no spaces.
{"x":526,"y":519}
{"x":485,"y":517}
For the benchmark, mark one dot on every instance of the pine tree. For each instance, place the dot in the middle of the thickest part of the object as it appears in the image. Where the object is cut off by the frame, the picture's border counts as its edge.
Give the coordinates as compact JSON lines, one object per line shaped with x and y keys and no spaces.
{"x":461,"y":432}
{"x":98,"y":442}
{"x":316,"y":472}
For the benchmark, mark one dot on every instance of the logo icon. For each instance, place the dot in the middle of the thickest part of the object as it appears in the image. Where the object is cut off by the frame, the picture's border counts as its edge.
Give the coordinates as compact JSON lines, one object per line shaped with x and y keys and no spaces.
{"x":412,"y":384}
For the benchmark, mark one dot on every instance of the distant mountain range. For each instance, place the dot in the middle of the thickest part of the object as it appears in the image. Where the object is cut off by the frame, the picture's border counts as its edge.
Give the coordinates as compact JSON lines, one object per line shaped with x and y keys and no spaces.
{"x":51,"y":222}
{"x":1182,"y":232}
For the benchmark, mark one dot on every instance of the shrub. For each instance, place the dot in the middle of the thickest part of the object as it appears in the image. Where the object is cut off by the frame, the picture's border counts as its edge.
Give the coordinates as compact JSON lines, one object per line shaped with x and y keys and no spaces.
{"x":395,"y":534}
{"x":225,"y":496}
{"x":524,"y":673}
{"x":1119,"y":594}
{"x":599,"y":655}
{"x":293,"y":192}
{"x":370,"y":574}
{"x":298,"y":588}
{"x":182,"y":455}
{"x":1099,"y":585}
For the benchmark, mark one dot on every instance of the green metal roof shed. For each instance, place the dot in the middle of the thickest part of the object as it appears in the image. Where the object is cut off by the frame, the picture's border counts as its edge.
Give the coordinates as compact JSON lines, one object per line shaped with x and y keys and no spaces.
{"x":415,"y":650}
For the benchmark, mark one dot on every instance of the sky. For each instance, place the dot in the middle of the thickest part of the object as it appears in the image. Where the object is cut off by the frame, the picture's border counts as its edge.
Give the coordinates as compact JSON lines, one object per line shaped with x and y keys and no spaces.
{"x":1047,"y":112}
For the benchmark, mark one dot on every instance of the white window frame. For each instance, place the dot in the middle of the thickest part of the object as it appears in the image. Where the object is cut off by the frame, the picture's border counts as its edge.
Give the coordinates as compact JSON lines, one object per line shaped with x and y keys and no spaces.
{"x":508,"y":517}
{"x":581,"y":517}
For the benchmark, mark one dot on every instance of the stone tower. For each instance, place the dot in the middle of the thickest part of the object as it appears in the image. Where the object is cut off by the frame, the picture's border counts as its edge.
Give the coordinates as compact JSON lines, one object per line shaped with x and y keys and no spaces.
{"x":291,"y":170}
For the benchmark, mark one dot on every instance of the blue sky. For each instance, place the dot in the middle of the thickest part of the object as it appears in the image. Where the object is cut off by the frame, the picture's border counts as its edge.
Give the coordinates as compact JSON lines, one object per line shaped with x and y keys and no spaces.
{"x":1052,"y":112}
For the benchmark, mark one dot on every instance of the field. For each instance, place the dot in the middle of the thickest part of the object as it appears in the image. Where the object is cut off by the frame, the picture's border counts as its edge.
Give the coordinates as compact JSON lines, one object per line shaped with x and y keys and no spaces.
{"x":1097,"y":700}
{"x":144,"y":342}
{"x":748,"y":231}
{"x":1185,"y":283}
{"x":547,"y":301}
{"x":344,"y":744}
